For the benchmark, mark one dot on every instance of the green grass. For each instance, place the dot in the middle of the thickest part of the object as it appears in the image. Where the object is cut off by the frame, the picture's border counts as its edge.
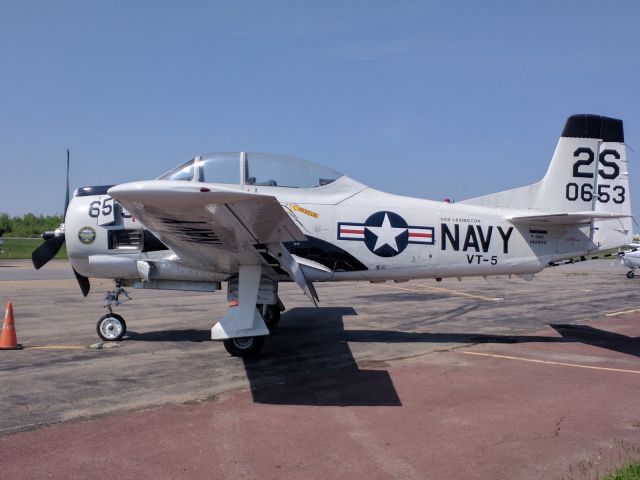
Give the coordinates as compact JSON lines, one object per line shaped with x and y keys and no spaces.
{"x":17,"y":248}
{"x":630,"y":471}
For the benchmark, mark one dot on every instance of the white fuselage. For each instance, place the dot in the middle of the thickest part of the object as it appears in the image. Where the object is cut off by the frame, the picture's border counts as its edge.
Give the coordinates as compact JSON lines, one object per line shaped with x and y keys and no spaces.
{"x":455,"y":240}
{"x":358,"y":233}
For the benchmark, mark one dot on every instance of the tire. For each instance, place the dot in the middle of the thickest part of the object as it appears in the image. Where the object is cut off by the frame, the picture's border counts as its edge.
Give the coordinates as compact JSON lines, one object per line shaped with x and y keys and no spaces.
{"x":111,"y":327}
{"x":630,"y":274}
{"x":270,"y":314}
{"x":244,"y":346}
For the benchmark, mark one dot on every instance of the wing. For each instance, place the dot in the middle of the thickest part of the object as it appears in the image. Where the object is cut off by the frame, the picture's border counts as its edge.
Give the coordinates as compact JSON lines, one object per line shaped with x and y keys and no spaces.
{"x":208,"y":227}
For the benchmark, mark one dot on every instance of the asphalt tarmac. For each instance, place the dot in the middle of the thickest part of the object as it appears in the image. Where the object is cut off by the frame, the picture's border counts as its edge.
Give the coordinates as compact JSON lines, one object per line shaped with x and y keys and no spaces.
{"x":496,"y":378}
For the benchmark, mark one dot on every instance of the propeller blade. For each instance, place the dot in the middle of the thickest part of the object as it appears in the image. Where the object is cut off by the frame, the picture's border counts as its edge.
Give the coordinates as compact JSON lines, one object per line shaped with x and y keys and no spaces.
{"x":46,"y":251}
{"x":83,"y":281}
{"x":66,"y":197}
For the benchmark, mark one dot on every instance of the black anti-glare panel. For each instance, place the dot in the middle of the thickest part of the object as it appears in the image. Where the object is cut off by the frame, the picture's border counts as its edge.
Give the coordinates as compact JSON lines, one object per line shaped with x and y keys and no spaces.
{"x":94,"y":190}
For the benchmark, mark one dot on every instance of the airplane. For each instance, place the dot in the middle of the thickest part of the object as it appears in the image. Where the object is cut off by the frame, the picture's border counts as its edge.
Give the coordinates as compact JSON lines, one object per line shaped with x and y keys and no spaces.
{"x":630,"y":259}
{"x":255,"y":220}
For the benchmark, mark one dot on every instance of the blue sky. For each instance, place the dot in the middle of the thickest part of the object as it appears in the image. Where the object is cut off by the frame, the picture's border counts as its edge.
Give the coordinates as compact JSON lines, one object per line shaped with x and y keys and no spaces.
{"x":431,"y":99}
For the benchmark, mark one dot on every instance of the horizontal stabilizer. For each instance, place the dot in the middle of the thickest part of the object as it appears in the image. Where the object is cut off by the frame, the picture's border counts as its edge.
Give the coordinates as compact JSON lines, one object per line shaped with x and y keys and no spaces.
{"x":571,"y":218}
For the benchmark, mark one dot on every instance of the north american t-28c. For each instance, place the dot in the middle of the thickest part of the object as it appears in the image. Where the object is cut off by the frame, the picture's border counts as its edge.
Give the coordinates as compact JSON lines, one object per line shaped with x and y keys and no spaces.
{"x":255,"y":220}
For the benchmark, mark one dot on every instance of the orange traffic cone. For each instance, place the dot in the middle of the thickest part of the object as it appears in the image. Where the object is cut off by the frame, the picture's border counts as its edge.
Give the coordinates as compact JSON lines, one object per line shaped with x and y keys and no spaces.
{"x":8,"y":339}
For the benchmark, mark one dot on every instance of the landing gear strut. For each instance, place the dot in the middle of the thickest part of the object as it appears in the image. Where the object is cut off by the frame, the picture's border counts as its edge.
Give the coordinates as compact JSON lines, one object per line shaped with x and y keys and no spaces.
{"x":112,"y":327}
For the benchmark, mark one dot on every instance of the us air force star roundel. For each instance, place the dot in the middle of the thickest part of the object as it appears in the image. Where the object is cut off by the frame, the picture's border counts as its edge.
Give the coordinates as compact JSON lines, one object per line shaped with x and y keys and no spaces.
{"x":385,"y":233}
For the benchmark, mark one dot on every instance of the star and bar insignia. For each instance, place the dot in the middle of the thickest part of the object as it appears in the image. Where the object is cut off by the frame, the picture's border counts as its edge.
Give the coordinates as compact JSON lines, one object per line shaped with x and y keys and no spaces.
{"x":386,"y":234}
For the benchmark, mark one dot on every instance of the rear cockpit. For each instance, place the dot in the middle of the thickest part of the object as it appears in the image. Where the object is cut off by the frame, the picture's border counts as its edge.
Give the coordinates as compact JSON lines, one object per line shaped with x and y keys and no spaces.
{"x":253,"y":169}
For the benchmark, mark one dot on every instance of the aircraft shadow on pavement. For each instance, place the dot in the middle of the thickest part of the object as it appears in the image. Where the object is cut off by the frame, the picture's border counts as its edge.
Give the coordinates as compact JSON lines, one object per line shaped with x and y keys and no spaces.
{"x":599,"y":338}
{"x":569,"y":334}
{"x":307,"y":360}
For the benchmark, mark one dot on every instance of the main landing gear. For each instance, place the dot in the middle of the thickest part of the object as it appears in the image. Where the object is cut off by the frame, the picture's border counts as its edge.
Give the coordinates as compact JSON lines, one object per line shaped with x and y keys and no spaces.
{"x":630,"y":274}
{"x":250,"y":346}
{"x":112,"y":327}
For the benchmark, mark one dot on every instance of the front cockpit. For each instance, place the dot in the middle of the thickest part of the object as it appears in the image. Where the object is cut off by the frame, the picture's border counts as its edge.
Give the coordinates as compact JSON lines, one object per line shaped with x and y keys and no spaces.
{"x":253,"y":169}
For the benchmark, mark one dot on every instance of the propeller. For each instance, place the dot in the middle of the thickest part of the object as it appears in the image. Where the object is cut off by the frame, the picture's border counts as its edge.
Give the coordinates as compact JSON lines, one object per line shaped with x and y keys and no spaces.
{"x":53,"y":241}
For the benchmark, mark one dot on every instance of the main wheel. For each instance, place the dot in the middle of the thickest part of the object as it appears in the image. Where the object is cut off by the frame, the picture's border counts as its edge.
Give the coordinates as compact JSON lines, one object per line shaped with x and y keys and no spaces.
{"x":244,"y":346}
{"x":111,"y":327}
{"x":270,"y":314}
{"x":630,"y":274}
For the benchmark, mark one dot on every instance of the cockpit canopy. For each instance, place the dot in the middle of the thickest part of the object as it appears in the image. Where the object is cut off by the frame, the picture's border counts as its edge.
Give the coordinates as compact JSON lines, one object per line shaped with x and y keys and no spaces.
{"x":257,"y":169}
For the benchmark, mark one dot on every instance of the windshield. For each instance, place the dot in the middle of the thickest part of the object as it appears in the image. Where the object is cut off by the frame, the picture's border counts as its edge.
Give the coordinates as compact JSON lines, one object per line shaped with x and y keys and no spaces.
{"x":182,"y":172}
{"x":257,"y":169}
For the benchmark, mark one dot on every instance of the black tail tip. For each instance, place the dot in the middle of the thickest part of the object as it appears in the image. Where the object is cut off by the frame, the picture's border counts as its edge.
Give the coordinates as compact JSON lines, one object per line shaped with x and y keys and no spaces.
{"x":594,"y":126}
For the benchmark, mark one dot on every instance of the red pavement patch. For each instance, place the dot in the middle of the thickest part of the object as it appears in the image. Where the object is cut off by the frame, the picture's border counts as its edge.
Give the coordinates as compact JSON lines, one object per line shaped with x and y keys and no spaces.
{"x":445,"y":415}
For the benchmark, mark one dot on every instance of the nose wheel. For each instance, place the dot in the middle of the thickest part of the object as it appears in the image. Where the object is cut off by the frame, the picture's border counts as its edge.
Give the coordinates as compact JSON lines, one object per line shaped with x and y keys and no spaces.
{"x":111,"y":327}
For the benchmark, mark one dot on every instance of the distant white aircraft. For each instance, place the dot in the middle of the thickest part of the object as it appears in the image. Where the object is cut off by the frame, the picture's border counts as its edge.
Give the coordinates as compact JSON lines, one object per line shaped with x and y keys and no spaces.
{"x":630,"y":259}
{"x":255,"y":220}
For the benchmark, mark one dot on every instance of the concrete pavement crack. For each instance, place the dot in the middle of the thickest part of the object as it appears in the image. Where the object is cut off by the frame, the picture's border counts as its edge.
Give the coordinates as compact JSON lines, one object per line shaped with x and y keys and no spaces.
{"x":556,"y":433}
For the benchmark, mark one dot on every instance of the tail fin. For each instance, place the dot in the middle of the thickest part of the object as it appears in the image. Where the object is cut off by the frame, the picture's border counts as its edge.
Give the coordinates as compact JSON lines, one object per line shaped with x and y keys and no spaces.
{"x":587,"y":180}
{"x":588,"y":171}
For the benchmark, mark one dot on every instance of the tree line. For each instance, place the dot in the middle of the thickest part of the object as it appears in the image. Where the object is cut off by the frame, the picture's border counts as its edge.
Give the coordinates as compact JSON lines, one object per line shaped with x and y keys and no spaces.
{"x":28,"y":225}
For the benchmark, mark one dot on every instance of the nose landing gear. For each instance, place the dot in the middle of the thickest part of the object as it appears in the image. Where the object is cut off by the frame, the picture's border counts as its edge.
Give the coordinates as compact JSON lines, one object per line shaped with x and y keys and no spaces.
{"x":112,"y":327}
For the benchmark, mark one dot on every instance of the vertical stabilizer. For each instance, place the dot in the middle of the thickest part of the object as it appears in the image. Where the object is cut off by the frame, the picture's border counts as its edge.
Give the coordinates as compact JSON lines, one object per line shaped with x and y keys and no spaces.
{"x":587,"y":177}
{"x":588,"y":171}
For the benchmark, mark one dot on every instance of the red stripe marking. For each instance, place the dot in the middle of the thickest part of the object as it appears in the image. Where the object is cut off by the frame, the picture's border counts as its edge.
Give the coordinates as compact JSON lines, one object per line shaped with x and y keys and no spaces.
{"x":423,"y":235}
{"x":349,"y":230}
